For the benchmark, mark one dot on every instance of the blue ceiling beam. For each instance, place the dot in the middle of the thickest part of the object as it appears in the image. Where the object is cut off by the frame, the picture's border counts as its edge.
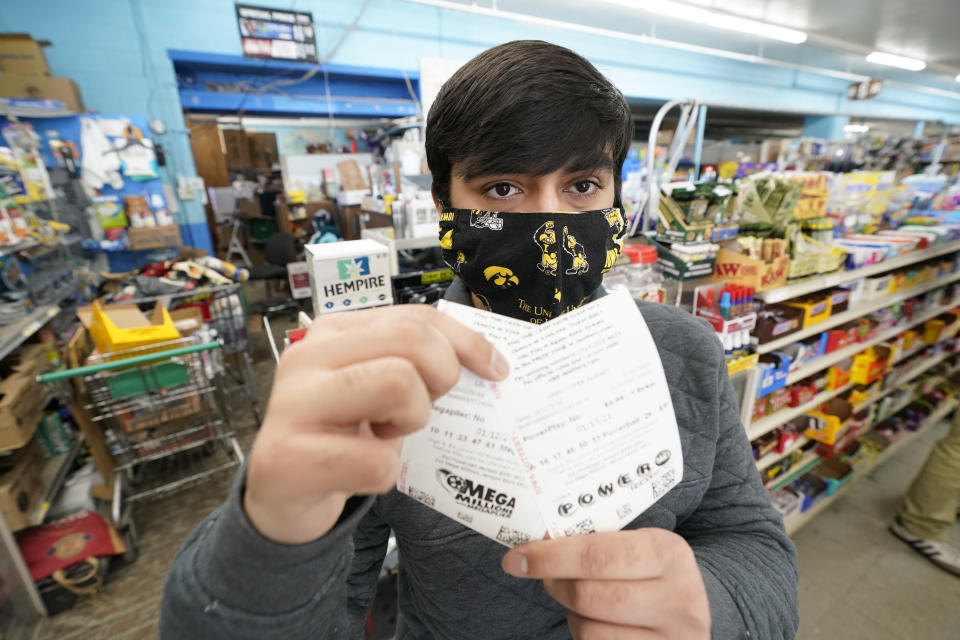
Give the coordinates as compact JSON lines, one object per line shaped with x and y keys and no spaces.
{"x":220,"y":83}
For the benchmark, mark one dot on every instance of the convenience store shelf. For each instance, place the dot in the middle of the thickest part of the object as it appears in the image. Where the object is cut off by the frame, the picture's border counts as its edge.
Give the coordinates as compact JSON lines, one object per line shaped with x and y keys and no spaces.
{"x":856,"y":312}
{"x":907,"y":377}
{"x":903,"y":404}
{"x":774,"y":420}
{"x":773,"y":456}
{"x":818,"y":283}
{"x":16,"y":333}
{"x":807,"y":462}
{"x":818,"y":364}
{"x":795,"y":523}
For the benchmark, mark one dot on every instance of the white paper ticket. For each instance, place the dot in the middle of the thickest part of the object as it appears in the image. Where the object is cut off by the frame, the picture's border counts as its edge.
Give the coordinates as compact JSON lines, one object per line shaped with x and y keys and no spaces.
{"x":580,"y":437}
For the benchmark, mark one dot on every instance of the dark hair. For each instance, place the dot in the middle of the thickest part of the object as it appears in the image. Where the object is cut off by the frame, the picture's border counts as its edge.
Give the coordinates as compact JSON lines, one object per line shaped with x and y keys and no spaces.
{"x":526,"y":107}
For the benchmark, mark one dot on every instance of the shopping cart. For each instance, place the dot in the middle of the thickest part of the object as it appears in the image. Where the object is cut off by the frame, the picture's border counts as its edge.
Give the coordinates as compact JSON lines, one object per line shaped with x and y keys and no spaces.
{"x":222,"y":308}
{"x":163,"y":417}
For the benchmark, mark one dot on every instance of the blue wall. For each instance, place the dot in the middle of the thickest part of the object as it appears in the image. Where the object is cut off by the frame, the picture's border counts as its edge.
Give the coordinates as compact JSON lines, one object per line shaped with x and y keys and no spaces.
{"x":116,"y":50}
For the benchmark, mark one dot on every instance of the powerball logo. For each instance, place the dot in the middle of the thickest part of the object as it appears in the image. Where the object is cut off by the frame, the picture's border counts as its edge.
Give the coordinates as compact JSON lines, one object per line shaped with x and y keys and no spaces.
{"x":353,"y":268}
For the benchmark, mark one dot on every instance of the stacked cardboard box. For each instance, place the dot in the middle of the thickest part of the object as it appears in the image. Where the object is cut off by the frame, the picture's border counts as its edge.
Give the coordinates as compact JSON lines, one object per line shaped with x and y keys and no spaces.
{"x":24,"y":73}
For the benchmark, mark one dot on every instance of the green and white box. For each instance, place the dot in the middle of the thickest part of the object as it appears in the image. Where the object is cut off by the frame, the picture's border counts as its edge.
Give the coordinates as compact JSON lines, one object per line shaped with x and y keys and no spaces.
{"x":349,"y":275}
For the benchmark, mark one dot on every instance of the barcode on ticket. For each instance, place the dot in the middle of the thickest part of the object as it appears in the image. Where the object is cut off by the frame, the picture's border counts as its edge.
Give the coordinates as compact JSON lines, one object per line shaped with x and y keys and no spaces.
{"x":584,"y":526}
{"x":663,"y":484}
{"x":512,"y":537}
{"x":421,"y":496}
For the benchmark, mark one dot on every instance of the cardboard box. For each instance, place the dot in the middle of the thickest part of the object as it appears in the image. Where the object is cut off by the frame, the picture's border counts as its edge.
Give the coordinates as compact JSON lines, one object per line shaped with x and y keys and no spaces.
{"x":21,"y":408}
{"x":349,"y":275}
{"x":30,"y":359}
{"x":26,"y":86}
{"x":21,"y":488}
{"x":869,"y":365}
{"x":832,"y":417}
{"x":350,"y":177}
{"x":187,"y":320}
{"x":21,"y":54}
{"x":154,"y":237}
{"x":816,"y":308}
{"x":735,"y":268}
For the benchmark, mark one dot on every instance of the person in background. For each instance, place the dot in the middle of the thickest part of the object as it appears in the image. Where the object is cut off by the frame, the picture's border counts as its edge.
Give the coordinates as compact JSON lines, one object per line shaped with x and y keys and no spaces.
{"x":525,"y":132}
{"x":930,"y":507}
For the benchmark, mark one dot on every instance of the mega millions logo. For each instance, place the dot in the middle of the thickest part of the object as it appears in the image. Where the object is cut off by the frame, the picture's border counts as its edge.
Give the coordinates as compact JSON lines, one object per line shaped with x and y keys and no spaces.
{"x":476,"y":496}
{"x":353,"y":268}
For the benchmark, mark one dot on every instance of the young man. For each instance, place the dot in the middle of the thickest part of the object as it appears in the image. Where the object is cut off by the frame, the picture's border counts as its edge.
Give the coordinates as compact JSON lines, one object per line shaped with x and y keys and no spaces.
{"x":523,"y":129}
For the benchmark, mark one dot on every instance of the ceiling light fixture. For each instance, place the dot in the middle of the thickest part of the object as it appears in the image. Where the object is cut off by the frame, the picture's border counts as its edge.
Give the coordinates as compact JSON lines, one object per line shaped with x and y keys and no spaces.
{"x":902,"y":62}
{"x":688,"y":13}
{"x":957,"y":78}
{"x":856,"y":128}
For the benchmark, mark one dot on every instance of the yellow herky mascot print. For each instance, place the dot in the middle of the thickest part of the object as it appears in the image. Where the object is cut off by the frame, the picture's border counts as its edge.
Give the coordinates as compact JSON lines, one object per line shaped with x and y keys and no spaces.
{"x":546,"y":239}
{"x":446,"y":242}
{"x":615,"y":218}
{"x":579,"y":256}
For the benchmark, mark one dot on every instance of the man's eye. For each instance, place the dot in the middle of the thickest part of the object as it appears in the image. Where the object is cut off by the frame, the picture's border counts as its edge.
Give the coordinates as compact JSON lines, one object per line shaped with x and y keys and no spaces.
{"x":585,"y":187}
{"x":502,"y":190}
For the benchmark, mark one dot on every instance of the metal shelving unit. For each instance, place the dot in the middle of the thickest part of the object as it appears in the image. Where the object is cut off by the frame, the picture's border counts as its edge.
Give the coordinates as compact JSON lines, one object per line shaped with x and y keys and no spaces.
{"x":818,"y":283}
{"x":16,"y":333}
{"x":396,"y":245}
{"x":858,"y":311}
{"x":774,"y":420}
{"x":794,"y":523}
{"x":818,"y":364}
{"x":768,"y":423}
{"x":773,"y":456}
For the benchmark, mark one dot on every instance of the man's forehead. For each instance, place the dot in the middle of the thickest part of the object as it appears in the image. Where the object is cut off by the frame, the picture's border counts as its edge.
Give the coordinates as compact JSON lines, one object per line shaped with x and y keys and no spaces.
{"x":557,"y":174}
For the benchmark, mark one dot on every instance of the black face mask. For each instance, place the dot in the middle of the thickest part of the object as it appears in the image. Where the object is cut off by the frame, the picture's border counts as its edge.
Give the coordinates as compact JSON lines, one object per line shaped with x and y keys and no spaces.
{"x":531,"y":266}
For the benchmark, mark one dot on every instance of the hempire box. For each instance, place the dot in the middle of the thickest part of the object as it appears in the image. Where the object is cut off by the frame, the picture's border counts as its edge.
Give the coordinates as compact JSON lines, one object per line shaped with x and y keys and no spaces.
{"x":349,"y":275}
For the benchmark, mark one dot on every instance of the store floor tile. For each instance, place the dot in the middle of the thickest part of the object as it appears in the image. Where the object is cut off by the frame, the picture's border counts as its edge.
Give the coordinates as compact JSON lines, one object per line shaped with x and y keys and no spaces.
{"x":858,"y":581}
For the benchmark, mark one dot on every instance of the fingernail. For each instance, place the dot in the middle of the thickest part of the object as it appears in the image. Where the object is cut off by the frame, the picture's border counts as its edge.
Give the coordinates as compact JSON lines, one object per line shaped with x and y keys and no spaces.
{"x":498,"y":363}
{"x":515,"y":563}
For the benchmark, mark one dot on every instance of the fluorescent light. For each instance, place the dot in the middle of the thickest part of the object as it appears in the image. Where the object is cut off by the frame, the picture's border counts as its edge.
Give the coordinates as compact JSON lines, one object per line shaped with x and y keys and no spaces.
{"x":903,"y":62}
{"x":708,"y":18}
{"x":957,"y":78}
{"x":856,"y":128}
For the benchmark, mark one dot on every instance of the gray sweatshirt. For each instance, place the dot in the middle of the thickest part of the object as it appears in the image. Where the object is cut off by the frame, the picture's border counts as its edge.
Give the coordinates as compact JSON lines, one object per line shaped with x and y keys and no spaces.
{"x":228,"y":581}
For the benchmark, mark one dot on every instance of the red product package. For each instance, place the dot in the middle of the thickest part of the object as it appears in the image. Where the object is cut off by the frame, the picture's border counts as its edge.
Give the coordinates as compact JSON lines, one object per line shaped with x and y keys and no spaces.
{"x":67,"y":541}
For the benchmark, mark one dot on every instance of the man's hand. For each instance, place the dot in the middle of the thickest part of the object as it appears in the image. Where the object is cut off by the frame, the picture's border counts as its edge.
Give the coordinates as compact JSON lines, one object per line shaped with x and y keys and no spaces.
{"x":631,"y":585}
{"x":342,"y":399}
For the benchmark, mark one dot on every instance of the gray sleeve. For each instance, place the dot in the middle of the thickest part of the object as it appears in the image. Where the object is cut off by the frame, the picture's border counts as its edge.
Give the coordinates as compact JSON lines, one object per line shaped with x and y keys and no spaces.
{"x":369,"y":548}
{"x":229,"y":581}
{"x":747,"y":561}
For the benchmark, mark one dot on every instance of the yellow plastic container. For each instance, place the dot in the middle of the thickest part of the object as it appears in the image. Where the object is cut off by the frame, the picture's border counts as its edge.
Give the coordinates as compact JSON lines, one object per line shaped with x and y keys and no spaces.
{"x":119,"y":327}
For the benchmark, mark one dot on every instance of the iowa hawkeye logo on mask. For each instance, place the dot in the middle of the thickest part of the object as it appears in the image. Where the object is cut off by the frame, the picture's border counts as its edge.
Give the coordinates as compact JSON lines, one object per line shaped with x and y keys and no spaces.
{"x":501,"y":276}
{"x":476,"y":496}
